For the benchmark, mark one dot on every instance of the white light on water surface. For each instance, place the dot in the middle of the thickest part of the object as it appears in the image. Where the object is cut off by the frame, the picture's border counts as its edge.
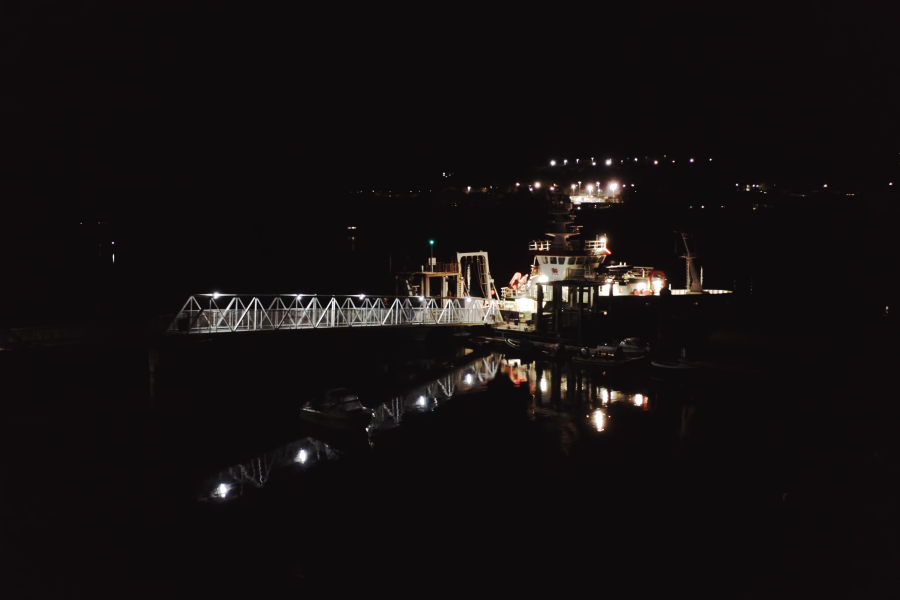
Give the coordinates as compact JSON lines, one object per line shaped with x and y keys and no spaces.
{"x":598,"y":419}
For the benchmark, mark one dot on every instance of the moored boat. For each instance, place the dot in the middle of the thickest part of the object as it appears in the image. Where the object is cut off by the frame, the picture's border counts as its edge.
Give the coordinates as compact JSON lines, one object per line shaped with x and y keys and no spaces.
{"x":340,"y":409}
{"x":608,"y":362}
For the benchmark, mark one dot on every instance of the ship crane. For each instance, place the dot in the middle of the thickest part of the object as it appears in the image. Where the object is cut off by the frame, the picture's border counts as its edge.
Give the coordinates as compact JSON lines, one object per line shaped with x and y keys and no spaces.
{"x":693,"y":277}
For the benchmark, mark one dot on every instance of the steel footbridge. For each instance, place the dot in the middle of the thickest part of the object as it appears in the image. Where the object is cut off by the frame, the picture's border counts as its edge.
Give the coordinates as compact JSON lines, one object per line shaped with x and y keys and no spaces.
{"x":228,"y":313}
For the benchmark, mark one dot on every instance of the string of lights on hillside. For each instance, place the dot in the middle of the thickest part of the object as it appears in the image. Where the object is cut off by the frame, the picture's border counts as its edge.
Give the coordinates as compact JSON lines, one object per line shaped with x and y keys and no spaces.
{"x":591,"y":189}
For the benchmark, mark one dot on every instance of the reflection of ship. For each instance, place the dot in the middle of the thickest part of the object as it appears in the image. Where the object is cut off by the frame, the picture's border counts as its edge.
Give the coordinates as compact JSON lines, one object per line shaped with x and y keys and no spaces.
{"x":555,"y":391}
{"x":340,"y":408}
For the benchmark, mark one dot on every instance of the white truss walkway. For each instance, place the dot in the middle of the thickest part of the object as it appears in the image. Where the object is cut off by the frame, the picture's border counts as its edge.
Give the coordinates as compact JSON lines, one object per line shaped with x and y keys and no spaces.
{"x":232,"y":312}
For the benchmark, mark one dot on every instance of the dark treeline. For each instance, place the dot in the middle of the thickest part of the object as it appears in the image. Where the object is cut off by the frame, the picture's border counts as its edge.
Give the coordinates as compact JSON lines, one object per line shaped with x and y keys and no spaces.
{"x":785,"y":240}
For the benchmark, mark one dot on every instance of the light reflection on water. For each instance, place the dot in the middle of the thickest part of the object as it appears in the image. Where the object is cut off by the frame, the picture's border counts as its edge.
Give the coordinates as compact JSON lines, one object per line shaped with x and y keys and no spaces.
{"x":255,"y":473}
{"x":559,"y":392}
{"x":567,"y":390}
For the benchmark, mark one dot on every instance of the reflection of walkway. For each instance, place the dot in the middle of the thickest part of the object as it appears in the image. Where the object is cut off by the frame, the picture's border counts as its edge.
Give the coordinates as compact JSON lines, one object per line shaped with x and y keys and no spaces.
{"x":561,"y":392}
{"x":255,"y":473}
{"x":430,"y":395}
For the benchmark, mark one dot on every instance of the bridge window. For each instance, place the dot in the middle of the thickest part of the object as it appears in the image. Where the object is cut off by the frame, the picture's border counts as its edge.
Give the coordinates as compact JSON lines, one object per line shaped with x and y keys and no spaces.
{"x":552,"y":260}
{"x":571,"y":260}
{"x":544,"y":259}
{"x":580,"y":260}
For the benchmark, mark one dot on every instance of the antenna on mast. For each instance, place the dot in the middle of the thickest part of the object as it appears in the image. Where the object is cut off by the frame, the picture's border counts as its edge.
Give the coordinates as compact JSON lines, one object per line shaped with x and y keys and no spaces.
{"x":693,"y":280}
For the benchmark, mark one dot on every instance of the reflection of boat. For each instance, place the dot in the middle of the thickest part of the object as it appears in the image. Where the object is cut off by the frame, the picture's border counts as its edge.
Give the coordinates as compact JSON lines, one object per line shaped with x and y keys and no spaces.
{"x":340,"y":408}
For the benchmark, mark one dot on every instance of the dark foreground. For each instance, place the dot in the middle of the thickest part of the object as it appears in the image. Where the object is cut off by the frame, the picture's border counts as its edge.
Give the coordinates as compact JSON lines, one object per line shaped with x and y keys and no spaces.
{"x":781,"y":484}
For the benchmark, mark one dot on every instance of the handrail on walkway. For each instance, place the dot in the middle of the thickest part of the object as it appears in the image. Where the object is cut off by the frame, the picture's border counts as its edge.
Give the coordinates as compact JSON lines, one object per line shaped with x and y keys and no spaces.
{"x":220,"y":313}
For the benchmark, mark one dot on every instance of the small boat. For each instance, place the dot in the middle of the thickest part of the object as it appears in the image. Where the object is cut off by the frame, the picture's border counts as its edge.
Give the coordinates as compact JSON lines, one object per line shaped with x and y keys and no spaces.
{"x":677,"y":365}
{"x":340,"y":409}
{"x":539,"y":348}
{"x":477,"y":341}
{"x":607,"y":361}
{"x":519,"y":344}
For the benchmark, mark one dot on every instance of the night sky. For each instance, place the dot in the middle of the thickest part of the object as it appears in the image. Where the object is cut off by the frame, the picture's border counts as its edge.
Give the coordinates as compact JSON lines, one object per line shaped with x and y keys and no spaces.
{"x":214,"y":115}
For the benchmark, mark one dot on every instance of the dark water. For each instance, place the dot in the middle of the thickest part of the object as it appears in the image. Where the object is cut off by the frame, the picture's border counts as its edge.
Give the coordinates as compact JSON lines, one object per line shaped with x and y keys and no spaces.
{"x":487,"y":474}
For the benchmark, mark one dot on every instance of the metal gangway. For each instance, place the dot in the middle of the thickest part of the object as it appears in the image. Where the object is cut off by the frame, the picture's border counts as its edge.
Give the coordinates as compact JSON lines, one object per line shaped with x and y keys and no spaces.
{"x":221,"y":313}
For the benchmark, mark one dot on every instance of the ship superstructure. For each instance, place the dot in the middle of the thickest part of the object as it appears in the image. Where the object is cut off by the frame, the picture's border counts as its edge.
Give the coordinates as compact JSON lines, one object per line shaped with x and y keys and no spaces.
{"x":561,"y":258}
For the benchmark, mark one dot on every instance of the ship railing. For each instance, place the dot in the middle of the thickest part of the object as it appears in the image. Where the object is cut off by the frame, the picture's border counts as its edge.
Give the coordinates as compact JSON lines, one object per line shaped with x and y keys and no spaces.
{"x":519,"y":292}
{"x":235,"y":313}
{"x":684,"y":292}
{"x":450,"y":267}
{"x":595,"y":246}
{"x":540,"y":245}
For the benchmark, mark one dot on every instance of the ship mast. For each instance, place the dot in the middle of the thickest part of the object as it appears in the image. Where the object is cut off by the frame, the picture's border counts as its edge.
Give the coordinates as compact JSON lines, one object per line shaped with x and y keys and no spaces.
{"x":562,"y":225}
{"x":694,"y":282}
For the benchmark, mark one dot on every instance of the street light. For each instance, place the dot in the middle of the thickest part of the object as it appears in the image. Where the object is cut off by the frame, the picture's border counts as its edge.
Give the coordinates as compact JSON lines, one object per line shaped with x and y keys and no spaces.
{"x":590,"y":189}
{"x":431,"y":246}
{"x":537,"y":184}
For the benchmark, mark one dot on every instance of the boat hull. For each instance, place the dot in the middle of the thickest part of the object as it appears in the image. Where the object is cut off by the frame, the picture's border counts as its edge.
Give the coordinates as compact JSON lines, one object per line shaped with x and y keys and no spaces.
{"x":339,"y":420}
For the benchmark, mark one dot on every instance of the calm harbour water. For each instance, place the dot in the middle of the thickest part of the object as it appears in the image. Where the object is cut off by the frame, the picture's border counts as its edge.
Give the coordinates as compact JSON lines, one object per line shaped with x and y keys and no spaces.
{"x":561,"y":393}
{"x":563,"y":476}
